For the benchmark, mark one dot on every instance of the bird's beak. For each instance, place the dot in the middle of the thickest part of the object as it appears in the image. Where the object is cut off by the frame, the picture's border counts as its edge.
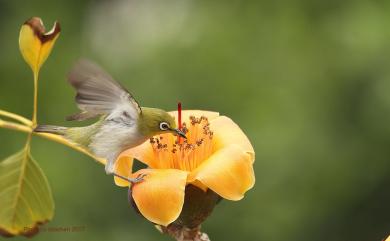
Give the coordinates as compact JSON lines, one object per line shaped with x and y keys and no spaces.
{"x":179,"y":132}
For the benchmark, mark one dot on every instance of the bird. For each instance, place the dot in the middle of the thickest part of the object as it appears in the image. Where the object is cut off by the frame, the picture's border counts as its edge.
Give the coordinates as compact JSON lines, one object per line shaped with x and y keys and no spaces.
{"x":122,"y":122}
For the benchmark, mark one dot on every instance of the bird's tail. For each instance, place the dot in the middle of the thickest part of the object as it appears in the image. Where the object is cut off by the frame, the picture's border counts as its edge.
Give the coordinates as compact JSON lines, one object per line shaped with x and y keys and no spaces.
{"x":58,"y":130}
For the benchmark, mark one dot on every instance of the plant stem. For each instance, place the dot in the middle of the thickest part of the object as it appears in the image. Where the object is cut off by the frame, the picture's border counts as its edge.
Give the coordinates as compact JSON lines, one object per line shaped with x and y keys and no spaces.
{"x":35,"y":109}
{"x":181,"y":233}
{"x":14,"y":126}
{"x":16,"y":117}
{"x":53,"y":137}
{"x":34,"y":118}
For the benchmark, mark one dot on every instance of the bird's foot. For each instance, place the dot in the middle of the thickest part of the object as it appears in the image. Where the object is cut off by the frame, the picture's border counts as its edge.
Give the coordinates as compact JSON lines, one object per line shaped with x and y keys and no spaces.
{"x":138,"y":179}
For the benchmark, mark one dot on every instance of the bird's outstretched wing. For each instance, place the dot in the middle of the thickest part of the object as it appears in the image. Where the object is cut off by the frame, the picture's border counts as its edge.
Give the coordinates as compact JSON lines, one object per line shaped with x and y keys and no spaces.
{"x":99,"y":94}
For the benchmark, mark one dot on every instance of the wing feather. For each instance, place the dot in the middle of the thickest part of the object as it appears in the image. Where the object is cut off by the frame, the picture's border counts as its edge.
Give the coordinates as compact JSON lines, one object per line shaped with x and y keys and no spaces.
{"x":98,"y":93}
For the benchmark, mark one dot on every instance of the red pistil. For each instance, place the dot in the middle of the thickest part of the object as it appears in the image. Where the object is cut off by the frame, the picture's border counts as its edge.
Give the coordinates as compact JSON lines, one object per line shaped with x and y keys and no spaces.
{"x":179,"y":119}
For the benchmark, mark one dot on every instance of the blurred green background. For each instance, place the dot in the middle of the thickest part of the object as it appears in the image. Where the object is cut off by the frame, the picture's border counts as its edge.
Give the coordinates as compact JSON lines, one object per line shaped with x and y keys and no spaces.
{"x":307,"y":80}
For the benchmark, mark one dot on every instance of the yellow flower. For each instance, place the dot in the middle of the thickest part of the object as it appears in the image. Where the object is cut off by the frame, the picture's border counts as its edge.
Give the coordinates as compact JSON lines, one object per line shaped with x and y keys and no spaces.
{"x":35,"y":45}
{"x":217,"y":155}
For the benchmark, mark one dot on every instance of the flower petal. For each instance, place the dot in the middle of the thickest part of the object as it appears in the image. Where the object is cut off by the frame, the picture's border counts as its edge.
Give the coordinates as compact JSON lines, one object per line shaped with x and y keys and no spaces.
{"x":226,"y":133}
{"x":123,"y":167}
{"x":185,"y":114}
{"x":160,"y":197}
{"x":35,"y":45}
{"x":228,"y":172}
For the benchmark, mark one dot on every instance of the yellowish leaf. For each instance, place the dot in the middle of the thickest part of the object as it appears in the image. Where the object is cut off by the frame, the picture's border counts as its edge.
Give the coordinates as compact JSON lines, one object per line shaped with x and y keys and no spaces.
{"x":25,"y":196}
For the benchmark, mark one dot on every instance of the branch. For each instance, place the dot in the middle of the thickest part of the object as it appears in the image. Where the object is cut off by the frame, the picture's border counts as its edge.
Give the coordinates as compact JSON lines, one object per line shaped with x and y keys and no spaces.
{"x":16,"y":117}
{"x":53,"y":137}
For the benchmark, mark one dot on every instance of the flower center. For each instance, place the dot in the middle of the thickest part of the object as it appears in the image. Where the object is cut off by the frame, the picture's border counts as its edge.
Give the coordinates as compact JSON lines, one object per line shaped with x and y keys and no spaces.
{"x":185,"y":154}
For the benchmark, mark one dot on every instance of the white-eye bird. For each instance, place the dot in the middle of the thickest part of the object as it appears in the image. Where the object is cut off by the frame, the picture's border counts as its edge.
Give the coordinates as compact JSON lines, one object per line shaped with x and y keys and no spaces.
{"x":123,"y":123}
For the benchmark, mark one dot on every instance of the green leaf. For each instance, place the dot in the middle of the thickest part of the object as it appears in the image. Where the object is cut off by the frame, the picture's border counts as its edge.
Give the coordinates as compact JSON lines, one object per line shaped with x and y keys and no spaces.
{"x":25,"y":196}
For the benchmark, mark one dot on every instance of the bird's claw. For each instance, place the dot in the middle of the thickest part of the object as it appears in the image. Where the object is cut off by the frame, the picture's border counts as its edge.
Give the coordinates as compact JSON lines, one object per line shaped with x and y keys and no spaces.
{"x":138,"y":179}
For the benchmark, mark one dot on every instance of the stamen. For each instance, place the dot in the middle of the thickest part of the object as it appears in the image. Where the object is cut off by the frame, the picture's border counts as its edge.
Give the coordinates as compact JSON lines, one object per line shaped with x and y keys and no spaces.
{"x":185,"y":154}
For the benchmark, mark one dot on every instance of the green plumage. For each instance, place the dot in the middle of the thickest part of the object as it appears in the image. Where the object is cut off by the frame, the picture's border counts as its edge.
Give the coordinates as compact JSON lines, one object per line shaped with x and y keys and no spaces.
{"x":149,"y":120}
{"x":79,"y":135}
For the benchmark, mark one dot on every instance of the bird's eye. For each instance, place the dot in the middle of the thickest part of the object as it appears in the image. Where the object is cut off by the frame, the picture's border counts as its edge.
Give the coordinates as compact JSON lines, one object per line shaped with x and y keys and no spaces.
{"x":164,"y":126}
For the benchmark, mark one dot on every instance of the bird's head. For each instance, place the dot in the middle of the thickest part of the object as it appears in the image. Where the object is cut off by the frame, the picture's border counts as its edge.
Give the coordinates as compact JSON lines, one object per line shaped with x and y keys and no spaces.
{"x":156,"y":121}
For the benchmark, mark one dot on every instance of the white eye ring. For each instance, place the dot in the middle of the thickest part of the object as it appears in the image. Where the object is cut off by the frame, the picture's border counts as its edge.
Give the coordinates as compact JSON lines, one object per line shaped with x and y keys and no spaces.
{"x":164,"y":126}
